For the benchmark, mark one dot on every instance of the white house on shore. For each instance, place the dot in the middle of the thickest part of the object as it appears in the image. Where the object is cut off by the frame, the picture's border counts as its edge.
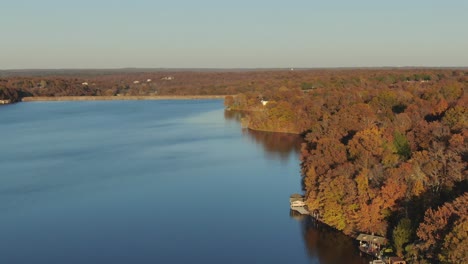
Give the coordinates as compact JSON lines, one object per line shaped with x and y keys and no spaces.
{"x":264,"y":102}
{"x":136,"y":82}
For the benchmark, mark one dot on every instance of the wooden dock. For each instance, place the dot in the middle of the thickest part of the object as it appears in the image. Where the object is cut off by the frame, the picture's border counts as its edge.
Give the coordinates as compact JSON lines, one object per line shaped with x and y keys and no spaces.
{"x":300,"y":209}
{"x":297,"y":204}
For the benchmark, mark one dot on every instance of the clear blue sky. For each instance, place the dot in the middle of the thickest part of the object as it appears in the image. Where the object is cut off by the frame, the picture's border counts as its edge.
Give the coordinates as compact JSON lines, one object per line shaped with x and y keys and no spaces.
{"x":232,"y":34}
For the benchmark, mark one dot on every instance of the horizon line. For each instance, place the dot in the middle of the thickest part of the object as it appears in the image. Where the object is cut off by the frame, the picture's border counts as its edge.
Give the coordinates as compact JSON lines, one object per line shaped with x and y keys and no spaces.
{"x":235,"y":68}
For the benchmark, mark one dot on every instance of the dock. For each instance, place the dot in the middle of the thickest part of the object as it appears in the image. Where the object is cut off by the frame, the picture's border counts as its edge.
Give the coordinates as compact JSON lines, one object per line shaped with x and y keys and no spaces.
{"x":368,"y":243}
{"x":297,"y":204}
{"x":300,"y":209}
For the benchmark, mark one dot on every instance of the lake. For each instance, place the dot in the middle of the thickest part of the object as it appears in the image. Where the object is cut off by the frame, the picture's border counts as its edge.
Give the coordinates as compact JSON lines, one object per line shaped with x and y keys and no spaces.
{"x":151,"y":182}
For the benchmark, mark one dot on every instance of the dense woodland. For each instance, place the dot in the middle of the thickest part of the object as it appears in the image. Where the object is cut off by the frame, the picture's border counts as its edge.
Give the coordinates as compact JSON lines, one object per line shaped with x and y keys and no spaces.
{"x":385,"y":152}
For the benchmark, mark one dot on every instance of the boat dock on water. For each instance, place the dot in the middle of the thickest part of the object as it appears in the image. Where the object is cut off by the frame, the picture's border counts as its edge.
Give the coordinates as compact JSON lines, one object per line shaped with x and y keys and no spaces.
{"x":297,"y":204}
{"x":390,"y":260}
{"x":368,"y":244}
{"x":371,"y":244}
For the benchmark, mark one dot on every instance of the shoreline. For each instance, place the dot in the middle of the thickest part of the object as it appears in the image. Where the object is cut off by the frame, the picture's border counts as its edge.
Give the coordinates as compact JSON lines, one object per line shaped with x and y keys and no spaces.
{"x":120,"y":98}
{"x":273,"y":131}
{"x":246,"y":124}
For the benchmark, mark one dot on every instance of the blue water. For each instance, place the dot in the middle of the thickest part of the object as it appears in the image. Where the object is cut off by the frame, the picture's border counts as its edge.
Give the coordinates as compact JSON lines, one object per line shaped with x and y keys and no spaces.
{"x":150,"y":182}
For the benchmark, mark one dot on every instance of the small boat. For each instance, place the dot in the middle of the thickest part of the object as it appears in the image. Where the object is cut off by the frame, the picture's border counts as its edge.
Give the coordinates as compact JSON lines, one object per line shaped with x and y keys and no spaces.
{"x":297,"y":204}
{"x":296,"y":200}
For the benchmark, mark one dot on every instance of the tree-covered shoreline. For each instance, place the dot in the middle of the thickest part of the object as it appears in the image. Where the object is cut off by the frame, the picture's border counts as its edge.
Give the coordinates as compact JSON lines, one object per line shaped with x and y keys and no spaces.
{"x":385,"y":153}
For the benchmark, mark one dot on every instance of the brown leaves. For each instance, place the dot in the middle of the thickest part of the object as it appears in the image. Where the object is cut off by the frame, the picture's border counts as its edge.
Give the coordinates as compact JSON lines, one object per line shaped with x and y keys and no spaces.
{"x":456,"y":243}
{"x":366,"y":147}
{"x":443,"y":229}
{"x":440,"y":107}
{"x":456,"y":118}
{"x":393,"y":190}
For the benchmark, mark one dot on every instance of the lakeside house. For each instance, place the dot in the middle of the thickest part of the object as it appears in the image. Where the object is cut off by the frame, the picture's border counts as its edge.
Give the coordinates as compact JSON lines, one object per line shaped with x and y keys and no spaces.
{"x":263,"y":100}
{"x":136,"y":82}
{"x":148,"y":80}
{"x":84,"y":84}
{"x":2,"y":102}
{"x":167,"y":78}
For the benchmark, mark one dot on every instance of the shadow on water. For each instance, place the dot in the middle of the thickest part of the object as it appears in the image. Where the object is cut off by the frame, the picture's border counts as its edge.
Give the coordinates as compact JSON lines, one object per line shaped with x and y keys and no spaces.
{"x":326,"y":245}
{"x":233,"y":115}
{"x":323,"y":244}
{"x":276,"y":145}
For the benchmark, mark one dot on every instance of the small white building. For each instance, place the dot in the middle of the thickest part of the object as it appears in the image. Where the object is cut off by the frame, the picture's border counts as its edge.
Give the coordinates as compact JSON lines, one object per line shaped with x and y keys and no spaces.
{"x":264,"y":102}
{"x":167,"y":78}
{"x":149,"y":80}
{"x":84,"y":83}
{"x":136,"y":82}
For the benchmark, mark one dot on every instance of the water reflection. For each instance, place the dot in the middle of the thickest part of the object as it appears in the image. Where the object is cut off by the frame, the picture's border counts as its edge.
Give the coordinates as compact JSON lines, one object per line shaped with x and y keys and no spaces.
{"x":276,"y":145}
{"x":233,"y":115}
{"x":326,"y":245}
{"x":323,"y":244}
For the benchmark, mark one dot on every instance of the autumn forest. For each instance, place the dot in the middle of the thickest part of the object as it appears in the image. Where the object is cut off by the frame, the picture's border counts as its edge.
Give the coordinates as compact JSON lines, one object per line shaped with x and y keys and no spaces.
{"x":385,"y":150}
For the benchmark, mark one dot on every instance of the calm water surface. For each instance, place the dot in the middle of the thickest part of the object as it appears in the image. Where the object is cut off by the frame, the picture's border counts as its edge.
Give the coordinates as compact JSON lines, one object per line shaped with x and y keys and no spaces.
{"x":151,"y":182}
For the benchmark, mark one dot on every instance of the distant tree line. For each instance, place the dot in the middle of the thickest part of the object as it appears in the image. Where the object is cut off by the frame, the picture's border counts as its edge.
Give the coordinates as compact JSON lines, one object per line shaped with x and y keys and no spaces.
{"x":148,"y":82}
